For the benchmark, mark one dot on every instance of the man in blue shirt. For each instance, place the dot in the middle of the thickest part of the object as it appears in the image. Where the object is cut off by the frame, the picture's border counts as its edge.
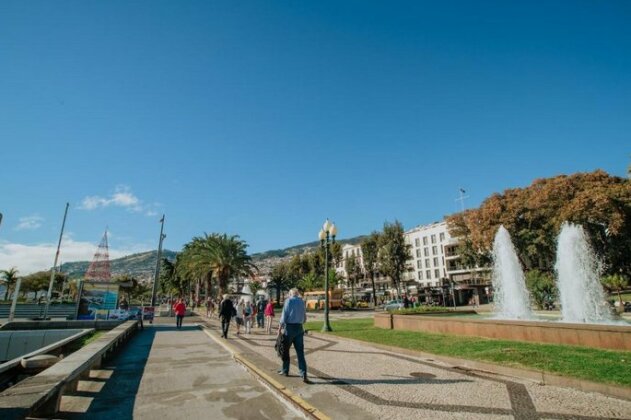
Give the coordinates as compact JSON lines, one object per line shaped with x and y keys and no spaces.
{"x":290,"y":324}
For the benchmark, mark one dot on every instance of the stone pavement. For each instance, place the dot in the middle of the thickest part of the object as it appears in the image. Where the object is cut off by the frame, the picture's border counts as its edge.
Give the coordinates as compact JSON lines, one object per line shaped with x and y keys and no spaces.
{"x":354,"y":380}
{"x":165,"y":373}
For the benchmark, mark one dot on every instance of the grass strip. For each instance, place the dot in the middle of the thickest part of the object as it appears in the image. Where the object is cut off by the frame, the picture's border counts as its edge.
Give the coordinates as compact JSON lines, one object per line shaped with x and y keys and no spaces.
{"x":605,"y":366}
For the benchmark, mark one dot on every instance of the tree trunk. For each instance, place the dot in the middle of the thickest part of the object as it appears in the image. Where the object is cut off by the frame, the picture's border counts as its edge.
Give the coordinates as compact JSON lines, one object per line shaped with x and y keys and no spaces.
{"x":278,"y":294}
{"x":208,"y":280}
{"x":374,"y":291}
{"x":353,"y":292}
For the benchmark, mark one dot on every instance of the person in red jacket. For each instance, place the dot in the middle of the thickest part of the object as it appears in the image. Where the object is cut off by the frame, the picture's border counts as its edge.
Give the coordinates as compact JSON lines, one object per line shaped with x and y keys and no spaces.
{"x":180,"y":310}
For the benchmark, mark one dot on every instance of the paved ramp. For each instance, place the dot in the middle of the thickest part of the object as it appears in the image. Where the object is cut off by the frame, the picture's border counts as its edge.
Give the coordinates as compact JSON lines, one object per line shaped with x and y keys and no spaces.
{"x":165,"y":373}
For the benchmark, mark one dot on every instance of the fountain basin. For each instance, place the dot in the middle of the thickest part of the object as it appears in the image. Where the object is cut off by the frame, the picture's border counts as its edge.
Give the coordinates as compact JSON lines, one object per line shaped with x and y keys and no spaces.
{"x":611,"y":337}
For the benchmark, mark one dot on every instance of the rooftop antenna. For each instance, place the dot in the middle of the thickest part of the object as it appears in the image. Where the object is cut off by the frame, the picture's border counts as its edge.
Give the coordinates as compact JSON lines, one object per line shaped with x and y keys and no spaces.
{"x":462,"y":198}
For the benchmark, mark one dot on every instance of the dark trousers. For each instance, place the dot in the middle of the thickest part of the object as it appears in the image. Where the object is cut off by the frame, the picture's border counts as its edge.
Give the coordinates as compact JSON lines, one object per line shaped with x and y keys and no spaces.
{"x":225,"y":324}
{"x":178,"y":320}
{"x":294,"y":334}
{"x":260,"y":319}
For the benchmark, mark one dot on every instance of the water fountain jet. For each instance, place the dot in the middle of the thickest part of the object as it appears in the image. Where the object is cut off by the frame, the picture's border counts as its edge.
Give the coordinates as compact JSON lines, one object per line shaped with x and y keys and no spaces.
{"x":511,"y":297}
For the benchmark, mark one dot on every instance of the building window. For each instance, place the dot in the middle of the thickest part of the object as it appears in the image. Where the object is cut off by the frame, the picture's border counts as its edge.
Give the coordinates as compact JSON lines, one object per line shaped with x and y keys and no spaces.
{"x":426,"y":252}
{"x":428,"y":273}
{"x":442,"y":236}
{"x":417,"y":242}
{"x":424,"y":240}
{"x":418,"y":252}
{"x":434,"y":250}
{"x":437,"y":273}
{"x":420,"y":275}
{"x":426,"y":262}
{"x":433,"y":239}
{"x":435,"y":261}
{"x":418,"y":264}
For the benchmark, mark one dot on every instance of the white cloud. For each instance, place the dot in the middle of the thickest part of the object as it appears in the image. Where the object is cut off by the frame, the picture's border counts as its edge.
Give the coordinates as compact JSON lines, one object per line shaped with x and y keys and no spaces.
{"x":122,"y":197}
{"x":31,"y":258}
{"x":29,"y":223}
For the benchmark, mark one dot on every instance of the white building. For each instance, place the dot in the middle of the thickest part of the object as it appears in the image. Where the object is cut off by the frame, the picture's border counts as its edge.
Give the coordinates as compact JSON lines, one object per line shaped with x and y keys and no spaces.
{"x":434,"y":269}
{"x":427,"y":243}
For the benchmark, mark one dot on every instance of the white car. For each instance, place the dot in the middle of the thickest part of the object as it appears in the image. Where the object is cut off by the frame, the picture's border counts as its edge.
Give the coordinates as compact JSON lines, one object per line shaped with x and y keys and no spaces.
{"x":393,"y":304}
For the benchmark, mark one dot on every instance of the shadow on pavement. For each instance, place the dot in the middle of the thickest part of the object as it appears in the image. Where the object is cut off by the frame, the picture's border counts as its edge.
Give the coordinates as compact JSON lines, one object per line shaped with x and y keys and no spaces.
{"x":116,"y":398}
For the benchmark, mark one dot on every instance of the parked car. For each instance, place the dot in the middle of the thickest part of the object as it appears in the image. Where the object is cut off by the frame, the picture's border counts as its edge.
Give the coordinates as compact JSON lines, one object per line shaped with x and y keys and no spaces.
{"x":393,"y":304}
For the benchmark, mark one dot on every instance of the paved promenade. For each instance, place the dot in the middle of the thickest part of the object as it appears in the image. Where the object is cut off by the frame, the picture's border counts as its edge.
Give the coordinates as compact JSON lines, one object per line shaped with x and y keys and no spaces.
{"x":353,"y":380}
{"x":165,"y":373}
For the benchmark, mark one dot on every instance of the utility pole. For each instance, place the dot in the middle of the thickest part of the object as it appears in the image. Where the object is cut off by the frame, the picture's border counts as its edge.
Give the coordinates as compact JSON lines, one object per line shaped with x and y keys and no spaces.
{"x":54,"y":269}
{"x":157,"y":273}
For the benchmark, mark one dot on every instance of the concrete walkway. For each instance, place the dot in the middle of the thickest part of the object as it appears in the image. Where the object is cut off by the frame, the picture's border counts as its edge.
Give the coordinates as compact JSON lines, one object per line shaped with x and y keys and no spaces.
{"x":354,"y":380}
{"x":165,"y":373}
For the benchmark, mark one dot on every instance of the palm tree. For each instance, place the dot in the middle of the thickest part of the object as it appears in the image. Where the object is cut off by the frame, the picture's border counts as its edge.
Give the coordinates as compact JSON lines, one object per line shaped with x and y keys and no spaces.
{"x":217,"y":256}
{"x":9,"y":276}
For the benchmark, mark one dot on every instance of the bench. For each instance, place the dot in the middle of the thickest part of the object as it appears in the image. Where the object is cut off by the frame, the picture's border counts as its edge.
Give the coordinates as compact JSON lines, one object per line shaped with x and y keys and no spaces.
{"x":40,"y":395}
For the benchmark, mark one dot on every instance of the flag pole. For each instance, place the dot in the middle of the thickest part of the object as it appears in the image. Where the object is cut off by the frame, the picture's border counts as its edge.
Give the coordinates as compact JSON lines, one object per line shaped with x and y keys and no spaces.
{"x":52,"y":272}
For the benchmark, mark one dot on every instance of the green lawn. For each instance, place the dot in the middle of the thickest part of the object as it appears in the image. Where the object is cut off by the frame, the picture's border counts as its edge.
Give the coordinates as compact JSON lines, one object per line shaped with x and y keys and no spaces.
{"x":606,"y":366}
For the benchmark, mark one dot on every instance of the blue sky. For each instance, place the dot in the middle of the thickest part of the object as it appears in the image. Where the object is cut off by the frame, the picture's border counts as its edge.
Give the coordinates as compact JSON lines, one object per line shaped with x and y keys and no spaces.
{"x":263,"y":118}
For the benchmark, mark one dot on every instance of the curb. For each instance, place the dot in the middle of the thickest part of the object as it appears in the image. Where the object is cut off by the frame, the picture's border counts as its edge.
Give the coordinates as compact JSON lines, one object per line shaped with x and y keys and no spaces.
{"x":542,"y":378}
{"x":294,"y":399}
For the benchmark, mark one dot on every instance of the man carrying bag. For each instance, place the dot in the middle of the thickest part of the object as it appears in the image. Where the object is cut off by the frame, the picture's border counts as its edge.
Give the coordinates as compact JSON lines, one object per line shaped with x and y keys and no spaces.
{"x":290,"y":331}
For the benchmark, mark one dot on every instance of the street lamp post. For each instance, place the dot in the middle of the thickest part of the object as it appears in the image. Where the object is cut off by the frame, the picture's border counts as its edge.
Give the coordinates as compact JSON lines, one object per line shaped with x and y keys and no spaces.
{"x":327,"y":237}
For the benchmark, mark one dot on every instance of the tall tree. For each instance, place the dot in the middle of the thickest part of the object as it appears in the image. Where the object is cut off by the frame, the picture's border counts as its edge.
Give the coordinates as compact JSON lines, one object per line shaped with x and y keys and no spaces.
{"x":394,"y":253}
{"x":533,"y":215}
{"x":353,"y":273}
{"x":370,"y":254}
{"x":10,"y":277}
{"x":280,"y":279}
{"x":218,"y":256}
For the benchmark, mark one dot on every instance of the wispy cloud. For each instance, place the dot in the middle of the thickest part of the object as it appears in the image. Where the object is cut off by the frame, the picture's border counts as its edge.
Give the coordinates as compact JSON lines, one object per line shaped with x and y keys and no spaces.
{"x":122,"y":197}
{"x":31,"y":258}
{"x":29,"y":223}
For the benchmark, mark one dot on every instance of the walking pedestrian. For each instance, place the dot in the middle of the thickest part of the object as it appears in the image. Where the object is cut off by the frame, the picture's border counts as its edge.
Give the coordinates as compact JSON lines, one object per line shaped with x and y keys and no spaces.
{"x":248,"y":315}
{"x":260,"y":313}
{"x":226,"y":311}
{"x":180,"y":310}
{"x":240,"y":311}
{"x":290,"y":325}
{"x":210,"y":307}
{"x":269,"y":316}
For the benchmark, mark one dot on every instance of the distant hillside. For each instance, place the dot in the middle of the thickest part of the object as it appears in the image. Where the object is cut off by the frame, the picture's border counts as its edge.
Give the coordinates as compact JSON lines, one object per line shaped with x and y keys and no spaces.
{"x":299,"y":249}
{"x":141,"y":265}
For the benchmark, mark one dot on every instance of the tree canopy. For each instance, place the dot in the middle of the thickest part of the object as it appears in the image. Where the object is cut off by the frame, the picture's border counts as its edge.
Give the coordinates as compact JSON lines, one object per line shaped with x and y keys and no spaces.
{"x":601,"y":203}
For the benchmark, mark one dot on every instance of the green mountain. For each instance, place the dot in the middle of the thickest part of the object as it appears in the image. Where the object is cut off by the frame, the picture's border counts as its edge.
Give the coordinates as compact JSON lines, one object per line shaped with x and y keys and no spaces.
{"x":141,"y":265}
{"x":299,"y":249}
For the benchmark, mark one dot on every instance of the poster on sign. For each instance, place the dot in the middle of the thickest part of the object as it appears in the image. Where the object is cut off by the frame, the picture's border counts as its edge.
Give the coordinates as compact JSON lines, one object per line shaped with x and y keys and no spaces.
{"x":97,"y":299}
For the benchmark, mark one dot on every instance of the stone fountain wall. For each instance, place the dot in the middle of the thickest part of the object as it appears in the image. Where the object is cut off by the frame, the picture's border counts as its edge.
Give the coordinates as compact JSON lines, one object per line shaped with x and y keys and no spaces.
{"x":610,"y":337}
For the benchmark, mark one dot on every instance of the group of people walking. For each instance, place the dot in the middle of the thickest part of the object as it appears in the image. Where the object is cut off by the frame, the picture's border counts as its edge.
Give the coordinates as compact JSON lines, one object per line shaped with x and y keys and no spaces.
{"x":290,"y":326}
{"x":245,"y":313}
